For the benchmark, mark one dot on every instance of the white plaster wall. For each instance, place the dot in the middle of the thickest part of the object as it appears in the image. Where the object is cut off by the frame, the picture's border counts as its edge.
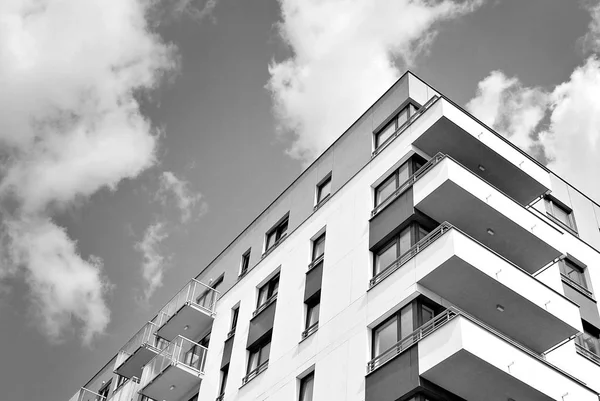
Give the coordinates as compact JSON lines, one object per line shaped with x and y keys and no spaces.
{"x":567,"y":358}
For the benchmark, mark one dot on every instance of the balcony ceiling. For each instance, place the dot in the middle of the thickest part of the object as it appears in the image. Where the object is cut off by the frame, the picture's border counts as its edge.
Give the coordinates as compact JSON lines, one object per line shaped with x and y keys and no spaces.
{"x":133,"y":365}
{"x":446,"y":137}
{"x":449,"y":202}
{"x":160,"y":388}
{"x":195,"y":319}
{"x":471,"y":378}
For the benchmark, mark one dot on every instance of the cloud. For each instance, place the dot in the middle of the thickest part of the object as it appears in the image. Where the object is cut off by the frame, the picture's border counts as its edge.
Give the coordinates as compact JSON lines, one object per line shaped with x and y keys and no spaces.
{"x":513,"y":110}
{"x":188,"y":202}
{"x":154,"y":262}
{"x":70,"y":124}
{"x":590,"y":42}
{"x":172,"y":10}
{"x":344,"y":54}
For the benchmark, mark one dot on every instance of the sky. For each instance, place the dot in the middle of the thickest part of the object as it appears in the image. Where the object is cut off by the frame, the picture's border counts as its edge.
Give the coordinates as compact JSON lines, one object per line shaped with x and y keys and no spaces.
{"x":139,"y":137}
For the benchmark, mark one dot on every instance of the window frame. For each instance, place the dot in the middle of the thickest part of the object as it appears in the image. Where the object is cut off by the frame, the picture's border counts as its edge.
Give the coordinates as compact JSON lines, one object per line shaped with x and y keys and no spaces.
{"x":278,"y":232}
{"x":568,"y":263}
{"x":317,"y":241}
{"x":415,"y":229}
{"x":245,"y":262}
{"x":235,"y":314}
{"x":223,"y":380}
{"x":552,"y":203}
{"x":410,"y":108}
{"x":308,"y":378}
{"x":311,"y":304}
{"x":270,"y":288}
{"x":319,"y":197}
{"x":258,"y":350}
{"x":413,"y":164}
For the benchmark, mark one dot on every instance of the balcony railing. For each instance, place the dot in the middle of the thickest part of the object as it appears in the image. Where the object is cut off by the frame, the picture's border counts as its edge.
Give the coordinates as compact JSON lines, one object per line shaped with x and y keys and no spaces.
{"x":310,"y":329}
{"x":411,"y":339}
{"x":89,"y":395}
{"x":583,"y":351}
{"x":408,"y":183}
{"x":194,"y":293}
{"x":126,"y":392}
{"x":264,"y":306}
{"x":404,"y":126}
{"x":316,"y":262}
{"x":261,"y":368}
{"x":182,"y":352}
{"x":576,"y":285}
{"x":145,"y":336}
{"x":414,"y":250}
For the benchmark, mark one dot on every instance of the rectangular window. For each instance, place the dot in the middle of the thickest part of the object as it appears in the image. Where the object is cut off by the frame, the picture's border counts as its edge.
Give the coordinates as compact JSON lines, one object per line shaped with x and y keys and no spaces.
{"x":313,"y":308}
{"x":306,"y":387}
{"x":268,"y":291}
{"x":573,"y":272}
{"x":276,"y":234}
{"x":398,"y":246}
{"x":397,"y":178}
{"x":223,"y":383}
{"x":318,"y":247}
{"x":561,"y":213}
{"x":324,"y":189}
{"x":245,"y":263}
{"x":395,"y":123}
{"x":259,"y":356}
{"x":589,"y":340}
{"x":234,"y":319}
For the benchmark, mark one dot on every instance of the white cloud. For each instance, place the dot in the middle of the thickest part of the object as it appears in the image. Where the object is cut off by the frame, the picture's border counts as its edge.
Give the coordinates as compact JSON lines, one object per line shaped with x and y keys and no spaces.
{"x":189,"y":203}
{"x":154,"y":263}
{"x":69,"y":126}
{"x":513,"y":110}
{"x":344,"y":55}
{"x":591,"y":40}
{"x":198,"y":10}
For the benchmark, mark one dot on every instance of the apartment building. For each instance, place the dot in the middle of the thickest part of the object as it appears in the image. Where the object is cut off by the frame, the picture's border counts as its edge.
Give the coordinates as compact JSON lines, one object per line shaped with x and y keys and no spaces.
{"x":421,"y":257}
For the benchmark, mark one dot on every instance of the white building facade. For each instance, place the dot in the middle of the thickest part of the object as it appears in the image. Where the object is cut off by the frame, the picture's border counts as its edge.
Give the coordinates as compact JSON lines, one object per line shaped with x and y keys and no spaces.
{"x":421,"y":257}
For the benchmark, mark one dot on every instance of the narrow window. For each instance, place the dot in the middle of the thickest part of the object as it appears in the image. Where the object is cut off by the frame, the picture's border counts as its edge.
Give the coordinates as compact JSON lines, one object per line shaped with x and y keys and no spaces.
{"x":318,"y":248}
{"x":386,"y":335}
{"x":268,"y":291}
{"x":398,"y":121}
{"x":223,"y":383}
{"x":234,"y":319}
{"x":398,"y":246}
{"x":276,"y":234}
{"x":306,"y":387}
{"x":561,"y":213}
{"x":245,"y":263}
{"x":573,"y":272}
{"x":397,"y":179}
{"x":324,"y":189}
{"x":313,"y":307}
{"x":258,"y":359}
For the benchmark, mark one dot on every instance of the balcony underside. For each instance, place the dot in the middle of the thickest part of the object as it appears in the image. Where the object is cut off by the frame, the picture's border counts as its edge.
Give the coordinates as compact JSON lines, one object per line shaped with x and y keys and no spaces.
{"x":451,"y":193}
{"x":471,"y":378}
{"x":133,"y":365}
{"x":172,"y":384}
{"x":478,"y":282}
{"x":475,"y":364}
{"x":447,"y":137}
{"x":197,"y":321}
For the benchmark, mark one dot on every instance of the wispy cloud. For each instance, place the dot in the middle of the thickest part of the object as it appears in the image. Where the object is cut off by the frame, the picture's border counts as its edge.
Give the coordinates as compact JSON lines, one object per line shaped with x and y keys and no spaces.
{"x":177,"y":190}
{"x":69,"y":126}
{"x":344,"y":57}
{"x":568,"y":138}
{"x":154,"y":262}
{"x":172,"y":10}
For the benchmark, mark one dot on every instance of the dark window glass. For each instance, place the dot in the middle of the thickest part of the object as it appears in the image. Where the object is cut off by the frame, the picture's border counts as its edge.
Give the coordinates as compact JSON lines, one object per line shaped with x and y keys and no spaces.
{"x":258,"y":356}
{"x":386,"y":256}
{"x":560,"y":213}
{"x":573,"y":272}
{"x":224,"y":374}
{"x":386,"y":336}
{"x":267,"y":291}
{"x":324,"y":189}
{"x":393,"y":182}
{"x":312,"y":313}
{"x":277,"y":233}
{"x":318,"y":247}
{"x":245,"y":262}
{"x":590,"y":342}
{"x":234,"y":317}
{"x":306,"y":387}
{"x":398,"y":121}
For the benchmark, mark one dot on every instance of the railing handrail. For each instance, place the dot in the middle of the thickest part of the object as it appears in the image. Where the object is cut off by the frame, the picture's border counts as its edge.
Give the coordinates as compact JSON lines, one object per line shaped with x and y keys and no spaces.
{"x":310,"y":329}
{"x":265,"y":305}
{"x":255,"y":372}
{"x":141,"y":333}
{"x":408,"y":183}
{"x":406,"y":124}
{"x":191,"y":294}
{"x":315,"y":262}
{"x":411,"y":252}
{"x":587,"y":353}
{"x":92,"y":392}
{"x":411,"y":339}
{"x":578,"y":286}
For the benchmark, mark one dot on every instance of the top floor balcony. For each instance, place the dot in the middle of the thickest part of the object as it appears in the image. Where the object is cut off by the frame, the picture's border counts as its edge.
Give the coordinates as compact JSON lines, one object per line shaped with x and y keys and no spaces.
{"x":137,"y":352}
{"x":190,"y":312}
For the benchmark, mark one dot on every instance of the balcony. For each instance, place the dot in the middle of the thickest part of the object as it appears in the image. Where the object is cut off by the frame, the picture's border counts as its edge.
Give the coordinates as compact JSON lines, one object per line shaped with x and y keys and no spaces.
{"x":447,"y":191}
{"x":476,"y":279}
{"x":127,"y":392}
{"x":445,"y":128}
{"x":464,"y":356}
{"x":89,"y":395}
{"x":137,"y":352}
{"x":175,"y":371}
{"x":190,"y":312}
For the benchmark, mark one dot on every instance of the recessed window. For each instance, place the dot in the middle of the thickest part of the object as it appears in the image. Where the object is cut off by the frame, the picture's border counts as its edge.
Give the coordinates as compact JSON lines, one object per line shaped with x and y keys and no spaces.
{"x":276,"y":234}
{"x":324,"y":189}
{"x":258,"y":358}
{"x":267,"y":291}
{"x":589,"y":340}
{"x":223,"y":382}
{"x":384,"y":190}
{"x":307,"y":386}
{"x":234,"y":319}
{"x":561,"y":213}
{"x":395,"y":123}
{"x":245,"y":263}
{"x":573,"y":272}
{"x":318,"y":247}
{"x":313,"y":307}
{"x":397,"y":246}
